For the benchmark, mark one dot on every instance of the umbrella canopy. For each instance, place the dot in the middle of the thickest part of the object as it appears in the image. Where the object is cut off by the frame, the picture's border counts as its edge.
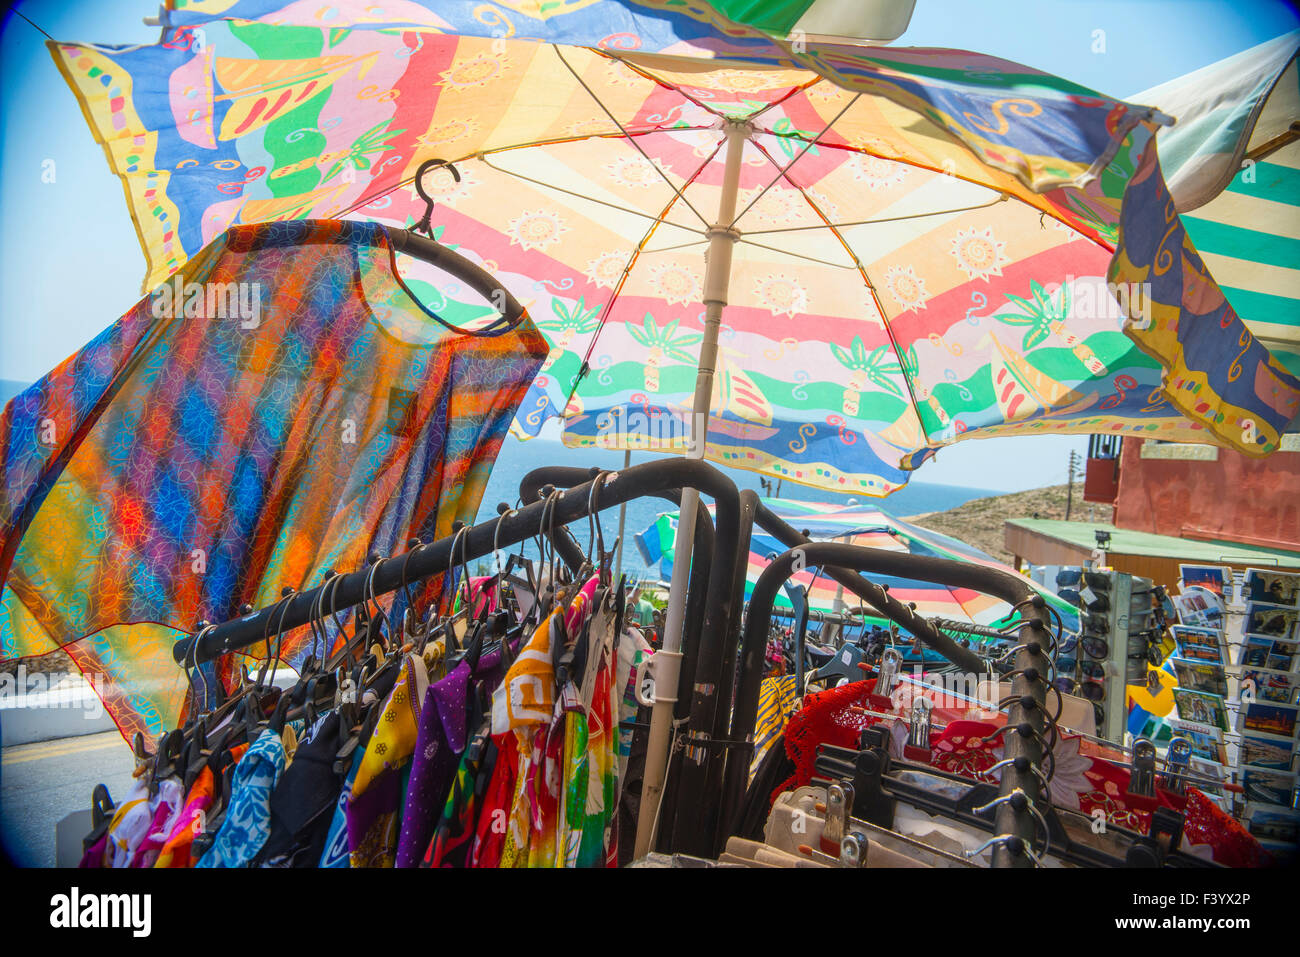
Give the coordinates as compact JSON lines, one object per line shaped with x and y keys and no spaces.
{"x":928,"y":244}
{"x":1233,"y":165}
{"x":868,"y":527}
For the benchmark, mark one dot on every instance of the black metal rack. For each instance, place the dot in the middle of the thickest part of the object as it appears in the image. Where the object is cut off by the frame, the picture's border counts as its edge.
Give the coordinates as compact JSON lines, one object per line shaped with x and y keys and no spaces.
{"x":1027,"y":716}
{"x":718,"y":736}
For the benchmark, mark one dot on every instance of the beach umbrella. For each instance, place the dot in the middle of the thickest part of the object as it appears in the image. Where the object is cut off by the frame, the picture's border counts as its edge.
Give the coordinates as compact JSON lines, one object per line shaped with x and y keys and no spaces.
{"x":868,"y":527}
{"x":1233,"y":166}
{"x":911,"y":246}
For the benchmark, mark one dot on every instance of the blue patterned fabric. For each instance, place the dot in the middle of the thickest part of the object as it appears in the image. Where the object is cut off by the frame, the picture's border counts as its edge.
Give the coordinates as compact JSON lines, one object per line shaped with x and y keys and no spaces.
{"x":248,"y":819}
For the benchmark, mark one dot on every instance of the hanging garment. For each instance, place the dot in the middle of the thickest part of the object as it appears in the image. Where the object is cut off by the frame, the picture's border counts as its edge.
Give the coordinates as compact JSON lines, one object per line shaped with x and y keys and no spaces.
{"x":526,"y":697}
{"x":129,"y":825}
{"x":777,"y":698}
{"x":375,"y":805}
{"x":248,"y":819}
{"x":440,"y":740}
{"x":599,"y":835}
{"x":633,"y":649}
{"x":336,"y":853}
{"x":494,"y":818}
{"x":166,"y":806}
{"x":454,"y":836}
{"x":543,"y":780}
{"x":177,"y":850}
{"x":577,"y":777}
{"x":280,"y":407}
{"x":302,"y":802}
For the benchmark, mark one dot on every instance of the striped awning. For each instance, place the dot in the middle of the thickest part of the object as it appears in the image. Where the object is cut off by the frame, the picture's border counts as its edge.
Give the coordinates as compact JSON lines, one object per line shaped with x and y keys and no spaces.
{"x":1232,"y":162}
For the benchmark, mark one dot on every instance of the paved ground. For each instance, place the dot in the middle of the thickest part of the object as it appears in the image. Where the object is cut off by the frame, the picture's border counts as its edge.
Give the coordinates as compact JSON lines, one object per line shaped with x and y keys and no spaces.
{"x":42,"y":783}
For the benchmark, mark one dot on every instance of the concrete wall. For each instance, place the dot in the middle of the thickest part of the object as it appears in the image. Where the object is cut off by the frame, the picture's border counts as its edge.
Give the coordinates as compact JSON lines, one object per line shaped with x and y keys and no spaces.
{"x":1234,"y":497}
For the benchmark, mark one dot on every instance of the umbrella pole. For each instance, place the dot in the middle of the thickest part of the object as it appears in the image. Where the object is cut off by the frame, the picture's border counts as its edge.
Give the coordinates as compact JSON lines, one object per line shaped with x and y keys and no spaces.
{"x":622,"y":521}
{"x":717,"y":275}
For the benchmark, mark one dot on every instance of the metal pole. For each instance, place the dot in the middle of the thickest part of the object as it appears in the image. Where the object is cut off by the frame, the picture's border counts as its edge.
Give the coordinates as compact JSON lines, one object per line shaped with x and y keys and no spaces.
{"x":622,"y":521}
{"x":717,"y":274}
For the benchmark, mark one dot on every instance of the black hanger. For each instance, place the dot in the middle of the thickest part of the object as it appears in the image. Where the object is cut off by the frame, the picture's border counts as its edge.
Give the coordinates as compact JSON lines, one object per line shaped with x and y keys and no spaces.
{"x":425,"y":225}
{"x":101,"y":815}
{"x":167,"y":760}
{"x":277,"y":720}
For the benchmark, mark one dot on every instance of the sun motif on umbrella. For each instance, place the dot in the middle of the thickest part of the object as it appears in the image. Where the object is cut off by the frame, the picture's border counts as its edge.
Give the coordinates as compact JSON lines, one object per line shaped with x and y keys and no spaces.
{"x":826,"y":91}
{"x":675,"y":283}
{"x":879,"y":174}
{"x":780,"y":206}
{"x":636,"y":171}
{"x":536,"y":229}
{"x":979,"y":255}
{"x":907,"y":288}
{"x":606,"y":269}
{"x":440,"y":134}
{"x":740,"y":81}
{"x":475,"y":71}
{"x":782,"y":295}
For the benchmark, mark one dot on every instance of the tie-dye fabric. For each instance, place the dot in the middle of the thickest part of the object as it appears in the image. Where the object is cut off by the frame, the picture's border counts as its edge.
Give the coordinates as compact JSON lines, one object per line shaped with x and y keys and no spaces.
{"x":280,"y":407}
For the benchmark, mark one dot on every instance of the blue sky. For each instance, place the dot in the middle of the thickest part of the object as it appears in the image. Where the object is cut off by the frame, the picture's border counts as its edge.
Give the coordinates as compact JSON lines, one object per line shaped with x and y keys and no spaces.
{"x":70,"y":263}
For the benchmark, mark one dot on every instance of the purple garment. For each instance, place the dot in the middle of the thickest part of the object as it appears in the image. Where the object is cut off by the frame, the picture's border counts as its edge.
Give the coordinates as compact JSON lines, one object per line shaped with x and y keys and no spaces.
{"x":442,"y":736}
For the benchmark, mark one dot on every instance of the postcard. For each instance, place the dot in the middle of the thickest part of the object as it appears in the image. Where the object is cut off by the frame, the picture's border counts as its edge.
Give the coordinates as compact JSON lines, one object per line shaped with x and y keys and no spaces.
{"x":1205,"y":744}
{"x":1203,"y":644}
{"x":1255,"y":652}
{"x":1216,"y":578}
{"x":1262,"y":718}
{"x":1276,"y":588}
{"x":1281,"y":657}
{"x":1272,"y":686}
{"x":1201,"y":676}
{"x":1268,"y":787}
{"x":1270,"y":823}
{"x":1271,"y":621}
{"x":1201,"y":708}
{"x":1267,"y":753}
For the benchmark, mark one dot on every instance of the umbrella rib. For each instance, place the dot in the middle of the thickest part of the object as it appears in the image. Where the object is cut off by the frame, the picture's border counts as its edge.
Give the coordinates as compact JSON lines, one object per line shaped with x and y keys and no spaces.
{"x":885,"y":219}
{"x":613,"y":296}
{"x":668,"y":249}
{"x":504,"y":149}
{"x":786,"y":252}
{"x":664,"y":176}
{"x":801,"y":88}
{"x":592,"y":199}
{"x":862,"y":271}
{"x":781,"y":172}
{"x":639,"y":71}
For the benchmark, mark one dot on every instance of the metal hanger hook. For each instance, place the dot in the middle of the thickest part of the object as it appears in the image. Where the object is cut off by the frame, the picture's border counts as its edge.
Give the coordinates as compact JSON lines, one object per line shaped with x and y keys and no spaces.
{"x":425,"y":225}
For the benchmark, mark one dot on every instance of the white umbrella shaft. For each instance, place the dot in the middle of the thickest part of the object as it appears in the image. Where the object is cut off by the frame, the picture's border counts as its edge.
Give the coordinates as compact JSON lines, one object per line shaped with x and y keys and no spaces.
{"x":717,"y":275}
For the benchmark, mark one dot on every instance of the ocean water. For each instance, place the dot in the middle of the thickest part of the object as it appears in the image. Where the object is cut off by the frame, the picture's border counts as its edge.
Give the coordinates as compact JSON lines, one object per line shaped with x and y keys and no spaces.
{"x":517,"y":459}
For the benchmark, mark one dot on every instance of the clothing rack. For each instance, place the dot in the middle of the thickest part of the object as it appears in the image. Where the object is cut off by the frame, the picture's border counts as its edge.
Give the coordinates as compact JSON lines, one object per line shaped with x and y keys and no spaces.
{"x":714,"y":583}
{"x":1027,"y":716}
